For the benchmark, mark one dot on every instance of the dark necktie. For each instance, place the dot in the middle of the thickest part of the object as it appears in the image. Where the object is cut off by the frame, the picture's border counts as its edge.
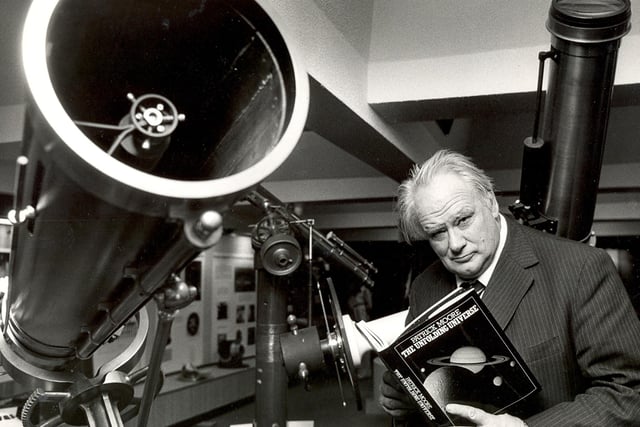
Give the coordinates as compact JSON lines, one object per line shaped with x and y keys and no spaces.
{"x":475,"y":285}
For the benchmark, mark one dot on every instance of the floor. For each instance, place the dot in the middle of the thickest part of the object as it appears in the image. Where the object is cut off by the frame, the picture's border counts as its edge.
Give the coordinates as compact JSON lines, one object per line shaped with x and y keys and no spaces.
{"x":322,"y":404}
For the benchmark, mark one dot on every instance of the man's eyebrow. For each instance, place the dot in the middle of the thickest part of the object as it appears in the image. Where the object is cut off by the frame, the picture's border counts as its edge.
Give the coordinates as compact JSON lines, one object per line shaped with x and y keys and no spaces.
{"x":464,"y":213}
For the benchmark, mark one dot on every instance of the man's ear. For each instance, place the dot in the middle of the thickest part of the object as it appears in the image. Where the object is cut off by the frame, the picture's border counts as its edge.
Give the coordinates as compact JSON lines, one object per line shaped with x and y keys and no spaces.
{"x":493,"y":205}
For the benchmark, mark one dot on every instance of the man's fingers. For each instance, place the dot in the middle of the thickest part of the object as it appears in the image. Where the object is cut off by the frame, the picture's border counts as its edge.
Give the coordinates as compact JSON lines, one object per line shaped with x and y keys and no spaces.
{"x":481,"y":418}
{"x":393,"y":407}
{"x":393,"y":399}
{"x":469,"y":412}
{"x":390,"y":380}
{"x":392,"y":392}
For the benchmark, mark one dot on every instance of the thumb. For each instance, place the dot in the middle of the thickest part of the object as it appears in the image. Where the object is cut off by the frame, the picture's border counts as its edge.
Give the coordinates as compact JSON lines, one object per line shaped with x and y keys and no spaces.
{"x":478,"y":416}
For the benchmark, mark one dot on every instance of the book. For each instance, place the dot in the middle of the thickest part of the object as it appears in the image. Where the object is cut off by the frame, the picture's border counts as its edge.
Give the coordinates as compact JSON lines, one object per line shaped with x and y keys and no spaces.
{"x":455,"y":352}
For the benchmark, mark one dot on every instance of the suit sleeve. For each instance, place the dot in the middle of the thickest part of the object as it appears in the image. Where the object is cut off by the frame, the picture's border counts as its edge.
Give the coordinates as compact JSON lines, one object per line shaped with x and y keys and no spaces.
{"x":606,"y":339}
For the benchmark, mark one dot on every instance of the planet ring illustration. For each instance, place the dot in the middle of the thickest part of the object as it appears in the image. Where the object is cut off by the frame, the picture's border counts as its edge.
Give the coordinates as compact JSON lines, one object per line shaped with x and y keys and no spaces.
{"x":445,"y":361}
{"x":468,"y":357}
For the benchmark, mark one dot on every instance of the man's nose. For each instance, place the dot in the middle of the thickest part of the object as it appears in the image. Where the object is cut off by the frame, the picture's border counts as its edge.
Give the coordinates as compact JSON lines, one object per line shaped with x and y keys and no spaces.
{"x":456,"y":240}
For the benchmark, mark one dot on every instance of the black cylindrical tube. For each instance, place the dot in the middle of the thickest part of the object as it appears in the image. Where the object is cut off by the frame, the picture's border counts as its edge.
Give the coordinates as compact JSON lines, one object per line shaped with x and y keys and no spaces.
{"x":534,"y":159}
{"x":271,"y":376}
{"x":585,"y":40}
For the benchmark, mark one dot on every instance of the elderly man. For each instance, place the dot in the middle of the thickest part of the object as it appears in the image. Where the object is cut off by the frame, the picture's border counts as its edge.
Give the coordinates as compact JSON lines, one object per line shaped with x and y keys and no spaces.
{"x":560,"y":302}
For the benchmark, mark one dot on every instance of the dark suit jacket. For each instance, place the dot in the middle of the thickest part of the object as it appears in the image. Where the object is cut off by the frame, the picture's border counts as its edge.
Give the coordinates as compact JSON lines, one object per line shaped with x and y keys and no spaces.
{"x":567,"y":312}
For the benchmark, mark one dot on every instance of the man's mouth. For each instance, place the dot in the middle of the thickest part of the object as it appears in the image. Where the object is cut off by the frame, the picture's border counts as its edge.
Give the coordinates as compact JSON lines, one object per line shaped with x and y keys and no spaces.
{"x":463,"y":258}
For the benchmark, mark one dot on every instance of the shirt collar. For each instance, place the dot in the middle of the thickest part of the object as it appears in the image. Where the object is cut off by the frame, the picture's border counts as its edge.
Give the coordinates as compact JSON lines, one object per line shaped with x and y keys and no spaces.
{"x":486,"y":276}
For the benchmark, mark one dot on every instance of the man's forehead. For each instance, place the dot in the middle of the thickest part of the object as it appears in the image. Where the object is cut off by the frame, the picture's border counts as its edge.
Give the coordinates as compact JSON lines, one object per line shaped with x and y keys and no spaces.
{"x":445,"y":197}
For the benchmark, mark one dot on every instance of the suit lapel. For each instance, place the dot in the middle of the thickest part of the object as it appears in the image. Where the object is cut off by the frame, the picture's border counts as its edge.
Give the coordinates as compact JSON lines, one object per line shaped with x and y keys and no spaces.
{"x":512,"y":278}
{"x":444,"y":283}
{"x":443,"y":286}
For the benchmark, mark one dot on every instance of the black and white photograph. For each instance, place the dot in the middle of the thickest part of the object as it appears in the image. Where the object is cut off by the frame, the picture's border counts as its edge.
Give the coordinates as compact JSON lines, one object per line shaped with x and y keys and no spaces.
{"x":232,"y":213}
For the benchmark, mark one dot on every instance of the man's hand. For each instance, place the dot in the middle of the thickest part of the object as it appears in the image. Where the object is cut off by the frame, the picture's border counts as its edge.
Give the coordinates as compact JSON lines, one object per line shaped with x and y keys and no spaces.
{"x":484,"y":419}
{"x":393,"y":399}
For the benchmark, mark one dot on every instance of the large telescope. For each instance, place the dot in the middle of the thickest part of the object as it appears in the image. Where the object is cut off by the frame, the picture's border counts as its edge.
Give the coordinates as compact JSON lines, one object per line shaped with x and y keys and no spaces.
{"x":146,"y":120}
{"x":562,"y":160}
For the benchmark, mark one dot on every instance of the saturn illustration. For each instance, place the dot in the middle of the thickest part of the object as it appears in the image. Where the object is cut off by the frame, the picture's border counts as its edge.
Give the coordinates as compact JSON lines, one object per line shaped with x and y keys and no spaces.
{"x":461,"y":378}
{"x":468,"y":357}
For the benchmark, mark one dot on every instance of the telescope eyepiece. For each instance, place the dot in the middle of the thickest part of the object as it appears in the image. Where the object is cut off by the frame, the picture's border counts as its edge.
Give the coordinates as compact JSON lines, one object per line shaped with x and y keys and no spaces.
{"x":589,"y":21}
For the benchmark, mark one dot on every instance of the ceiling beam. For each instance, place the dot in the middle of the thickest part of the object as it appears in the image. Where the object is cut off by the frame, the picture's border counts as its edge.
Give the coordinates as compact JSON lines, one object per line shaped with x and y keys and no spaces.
{"x":330,"y":118}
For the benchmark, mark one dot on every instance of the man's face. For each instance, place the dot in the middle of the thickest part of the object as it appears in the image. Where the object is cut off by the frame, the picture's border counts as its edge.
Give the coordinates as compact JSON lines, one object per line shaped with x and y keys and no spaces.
{"x":462,"y":225}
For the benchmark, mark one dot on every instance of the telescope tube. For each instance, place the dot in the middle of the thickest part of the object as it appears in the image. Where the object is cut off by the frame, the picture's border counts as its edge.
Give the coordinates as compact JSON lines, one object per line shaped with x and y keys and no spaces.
{"x":585,"y":37}
{"x":146,"y":121}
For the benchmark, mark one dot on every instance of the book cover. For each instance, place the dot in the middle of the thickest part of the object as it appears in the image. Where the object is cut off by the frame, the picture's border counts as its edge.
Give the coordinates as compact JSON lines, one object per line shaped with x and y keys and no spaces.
{"x":456,"y":352}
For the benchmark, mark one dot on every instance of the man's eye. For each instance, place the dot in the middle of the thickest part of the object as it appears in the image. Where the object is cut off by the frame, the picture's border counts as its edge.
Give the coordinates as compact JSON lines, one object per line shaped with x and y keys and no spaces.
{"x":465,"y":220}
{"x":436,"y":235}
